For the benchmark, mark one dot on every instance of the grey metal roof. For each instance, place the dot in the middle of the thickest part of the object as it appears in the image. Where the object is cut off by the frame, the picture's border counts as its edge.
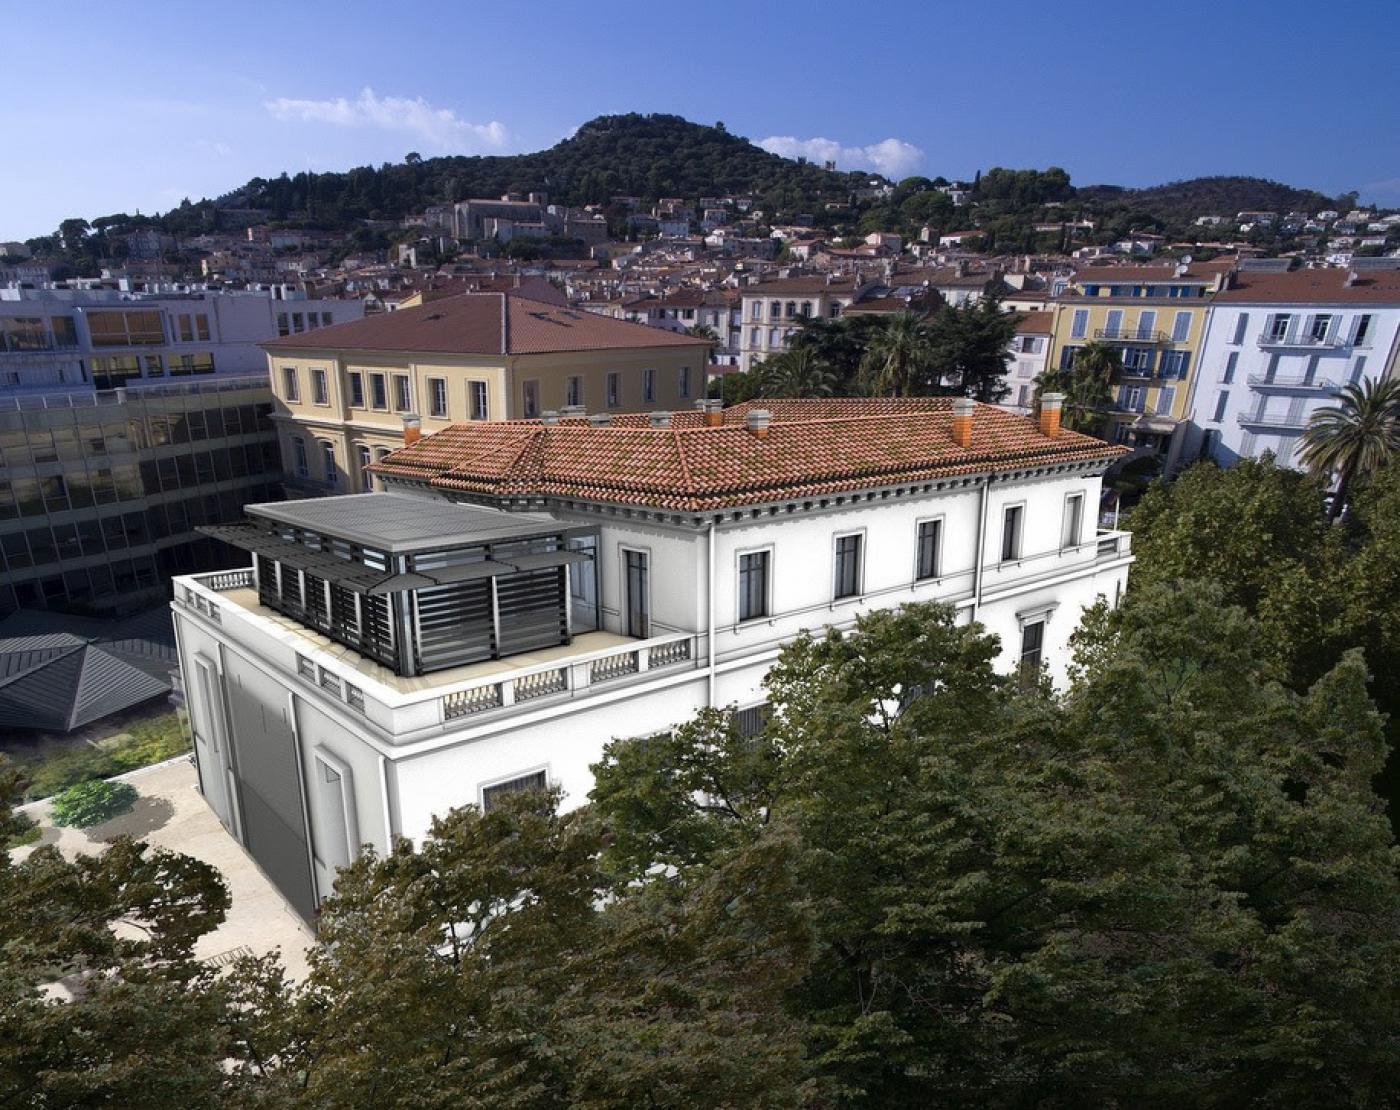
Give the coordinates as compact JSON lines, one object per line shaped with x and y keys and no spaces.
{"x":401,"y":524}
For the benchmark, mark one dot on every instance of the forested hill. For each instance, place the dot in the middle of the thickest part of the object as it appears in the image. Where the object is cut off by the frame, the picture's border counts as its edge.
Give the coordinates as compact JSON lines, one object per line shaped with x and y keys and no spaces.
{"x":648,"y":156}
{"x":1210,"y":196}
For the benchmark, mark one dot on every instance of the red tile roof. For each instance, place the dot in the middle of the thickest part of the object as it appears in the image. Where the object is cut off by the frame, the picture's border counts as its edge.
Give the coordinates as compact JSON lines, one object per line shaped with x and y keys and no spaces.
{"x":1036,"y":323}
{"x":1314,"y":286}
{"x":484,"y":324}
{"x":813,"y":448}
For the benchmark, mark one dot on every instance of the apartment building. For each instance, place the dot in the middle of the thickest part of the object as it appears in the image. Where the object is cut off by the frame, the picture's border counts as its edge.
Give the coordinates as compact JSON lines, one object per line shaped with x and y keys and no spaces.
{"x":84,"y":340}
{"x":773,"y":310}
{"x":342,"y":392}
{"x":1030,"y":353}
{"x":522,"y":593}
{"x":1279,"y":345}
{"x":1155,"y":316}
{"x":101,"y":492}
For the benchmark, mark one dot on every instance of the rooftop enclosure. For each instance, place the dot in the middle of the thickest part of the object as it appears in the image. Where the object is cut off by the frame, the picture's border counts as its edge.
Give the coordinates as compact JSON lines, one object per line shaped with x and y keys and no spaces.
{"x":418,"y":584}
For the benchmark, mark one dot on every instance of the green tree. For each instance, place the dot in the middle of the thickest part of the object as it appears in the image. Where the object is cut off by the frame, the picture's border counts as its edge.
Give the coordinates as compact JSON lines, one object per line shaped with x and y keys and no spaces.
{"x":795,"y":373}
{"x":971,"y":345}
{"x":1087,"y":385}
{"x":897,"y":354}
{"x":1355,"y":437}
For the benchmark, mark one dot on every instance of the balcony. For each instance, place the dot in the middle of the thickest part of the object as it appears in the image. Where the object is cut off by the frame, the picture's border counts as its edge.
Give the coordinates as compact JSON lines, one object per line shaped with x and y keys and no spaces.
{"x":592,"y":662}
{"x":1264,"y":383}
{"x":1273,"y":421}
{"x":1301,"y":340}
{"x":1135,"y":335}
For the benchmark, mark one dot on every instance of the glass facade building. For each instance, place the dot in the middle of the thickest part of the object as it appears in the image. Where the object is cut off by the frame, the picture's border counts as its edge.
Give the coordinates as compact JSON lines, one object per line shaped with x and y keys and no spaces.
{"x":101,"y":492}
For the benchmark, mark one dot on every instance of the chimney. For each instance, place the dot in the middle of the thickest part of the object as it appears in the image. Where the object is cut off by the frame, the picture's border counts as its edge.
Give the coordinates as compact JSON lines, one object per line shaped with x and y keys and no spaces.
{"x":714,"y":412}
{"x":412,"y":428}
{"x":757,"y":421}
{"x":600,"y":420}
{"x":1050,"y":406}
{"x":661,"y":419}
{"x":963,"y":408}
{"x":569,"y":411}
{"x":549,"y":416}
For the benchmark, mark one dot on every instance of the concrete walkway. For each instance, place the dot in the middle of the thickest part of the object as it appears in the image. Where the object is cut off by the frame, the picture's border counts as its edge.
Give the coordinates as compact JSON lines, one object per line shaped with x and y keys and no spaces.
{"x":170,"y":813}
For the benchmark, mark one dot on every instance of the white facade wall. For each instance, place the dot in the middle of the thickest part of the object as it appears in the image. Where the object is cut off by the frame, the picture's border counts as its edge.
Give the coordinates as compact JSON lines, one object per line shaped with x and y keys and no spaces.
{"x":1029,"y":358}
{"x":406,"y":760}
{"x":1250,"y":396}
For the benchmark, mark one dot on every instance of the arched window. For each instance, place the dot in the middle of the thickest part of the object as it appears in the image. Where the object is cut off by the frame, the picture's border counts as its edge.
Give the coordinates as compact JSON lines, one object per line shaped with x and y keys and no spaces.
{"x":806,"y":308}
{"x":791,"y":309}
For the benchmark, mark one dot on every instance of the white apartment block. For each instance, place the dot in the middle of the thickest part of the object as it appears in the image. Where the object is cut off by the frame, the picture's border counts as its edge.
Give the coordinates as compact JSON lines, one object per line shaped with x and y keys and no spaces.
{"x":773,"y":310}
{"x":1278,"y":346}
{"x":1030,"y":354}
{"x":523,"y":594}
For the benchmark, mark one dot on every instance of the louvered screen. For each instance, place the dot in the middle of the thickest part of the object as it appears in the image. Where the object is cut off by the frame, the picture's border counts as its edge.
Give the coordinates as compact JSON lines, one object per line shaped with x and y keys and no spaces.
{"x":290,"y":593}
{"x":317,"y":611}
{"x":454,"y":625}
{"x":344,"y":620}
{"x":267,"y":581}
{"x":532,"y":610}
{"x":376,"y":638}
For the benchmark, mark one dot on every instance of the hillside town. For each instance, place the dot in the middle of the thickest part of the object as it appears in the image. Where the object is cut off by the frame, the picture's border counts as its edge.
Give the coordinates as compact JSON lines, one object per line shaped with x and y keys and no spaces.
{"x":649,"y":617}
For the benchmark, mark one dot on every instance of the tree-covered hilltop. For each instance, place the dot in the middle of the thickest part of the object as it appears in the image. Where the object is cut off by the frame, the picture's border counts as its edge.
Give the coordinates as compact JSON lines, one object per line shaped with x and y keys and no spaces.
{"x":647,"y":156}
{"x":1213,"y":196}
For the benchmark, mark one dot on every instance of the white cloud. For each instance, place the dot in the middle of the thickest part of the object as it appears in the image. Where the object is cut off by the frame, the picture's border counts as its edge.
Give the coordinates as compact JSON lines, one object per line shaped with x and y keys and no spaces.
{"x":436,"y":129}
{"x":892,"y":157}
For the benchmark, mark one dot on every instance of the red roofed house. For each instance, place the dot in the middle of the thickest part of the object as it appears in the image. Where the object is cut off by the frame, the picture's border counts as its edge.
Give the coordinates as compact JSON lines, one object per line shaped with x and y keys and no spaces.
{"x":524,"y":592}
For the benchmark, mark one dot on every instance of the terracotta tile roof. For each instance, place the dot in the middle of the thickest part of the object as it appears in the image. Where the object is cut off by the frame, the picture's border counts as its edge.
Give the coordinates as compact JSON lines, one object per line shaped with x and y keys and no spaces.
{"x":484,"y":324}
{"x":1196,"y":272}
{"x":813,"y":283}
{"x":813,"y":448}
{"x":1315,"y":286}
{"x":1036,"y":323}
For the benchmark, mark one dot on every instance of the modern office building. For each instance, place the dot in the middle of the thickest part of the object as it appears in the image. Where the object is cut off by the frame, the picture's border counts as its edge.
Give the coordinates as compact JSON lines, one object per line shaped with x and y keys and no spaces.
{"x":62,"y":339}
{"x":101,"y":492}
{"x":525,"y":592}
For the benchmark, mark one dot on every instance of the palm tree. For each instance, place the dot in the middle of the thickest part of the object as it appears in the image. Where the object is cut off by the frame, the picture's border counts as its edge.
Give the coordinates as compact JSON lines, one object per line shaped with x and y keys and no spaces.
{"x":795,"y":374}
{"x":1087,"y":385}
{"x":1354,"y":438}
{"x":702,"y":331}
{"x":897,"y":353}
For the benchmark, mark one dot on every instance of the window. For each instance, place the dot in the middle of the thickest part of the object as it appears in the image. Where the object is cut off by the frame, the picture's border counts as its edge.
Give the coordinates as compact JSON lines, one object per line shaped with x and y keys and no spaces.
{"x":319,"y":393}
{"x":806,"y":309}
{"x":201,"y":327}
{"x":573,"y":391}
{"x":1230,"y":364}
{"x":775,"y":310}
{"x":1319,"y":326}
{"x":753,"y":585}
{"x":1032,"y":645}
{"x":306,"y":668}
{"x":491,"y":795}
{"x":1175,"y":363}
{"x":1222,"y":399}
{"x":755,"y":336}
{"x":1181,"y":327}
{"x":756,"y":310}
{"x":1080,"y":324}
{"x":750,"y":721}
{"x":284,"y":326}
{"x":476,"y":401}
{"x":186,"y":327}
{"x":791,"y":309}
{"x":614,"y":397}
{"x":1137,"y":358}
{"x":303,"y":469}
{"x":1147,"y":325}
{"x":403,"y":396}
{"x":848,"y":566}
{"x":648,"y":385}
{"x":328,"y":461}
{"x":530,"y":393}
{"x":1362,"y":336}
{"x":290,"y":390}
{"x":1241,"y":326}
{"x":298,"y":323}
{"x":1011,"y":518}
{"x":930,"y":553}
{"x":1278,"y":325}
{"x":357,"y":389}
{"x":638,"y":585}
{"x":379,"y":392}
{"x":1166,"y":399}
{"x":1071,"y":526}
{"x":437,"y":396}
{"x":684,"y":387}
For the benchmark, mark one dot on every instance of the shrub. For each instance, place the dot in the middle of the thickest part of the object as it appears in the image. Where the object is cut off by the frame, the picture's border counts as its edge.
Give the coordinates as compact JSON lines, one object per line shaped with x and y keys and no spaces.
{"x":89,"y":803}
{"x":27,"y":831}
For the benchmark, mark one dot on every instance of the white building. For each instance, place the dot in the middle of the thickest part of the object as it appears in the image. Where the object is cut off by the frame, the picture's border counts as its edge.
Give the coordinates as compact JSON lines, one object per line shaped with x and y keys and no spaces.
{"x":773,"y":310}
{"x":523,"y":594}
{"x":1030,"y":352}
{"x":1277,"y":347}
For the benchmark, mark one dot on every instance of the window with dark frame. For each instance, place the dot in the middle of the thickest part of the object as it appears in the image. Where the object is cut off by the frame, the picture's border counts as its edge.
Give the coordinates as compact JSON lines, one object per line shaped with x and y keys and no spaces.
{"x":357,"y":389}
{"x":289,"y":384}
{"x":847,"y":566}
{"x":379,"y":392}
{"x":437,"y":396}
{"x":491,"y":795}
{"x":1011,"y":533}
{"x":476,"y":399}
{"x":753,"y":585}
{"x":1032,"y":645}
{"x":930,"y":543}
{"x":403,"y":396}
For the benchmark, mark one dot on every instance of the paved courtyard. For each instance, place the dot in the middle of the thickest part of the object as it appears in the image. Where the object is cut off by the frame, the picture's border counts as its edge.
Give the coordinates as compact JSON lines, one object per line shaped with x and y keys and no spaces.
{"x":170,"y":813}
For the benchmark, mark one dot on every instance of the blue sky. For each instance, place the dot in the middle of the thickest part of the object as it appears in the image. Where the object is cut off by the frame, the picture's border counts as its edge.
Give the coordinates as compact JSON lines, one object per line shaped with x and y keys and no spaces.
{"x":112,"y":107}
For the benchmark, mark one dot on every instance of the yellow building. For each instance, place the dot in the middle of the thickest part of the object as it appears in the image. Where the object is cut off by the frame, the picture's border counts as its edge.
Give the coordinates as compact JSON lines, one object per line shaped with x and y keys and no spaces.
{"x":342,"y":392}
{"x":1155,"y":317}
